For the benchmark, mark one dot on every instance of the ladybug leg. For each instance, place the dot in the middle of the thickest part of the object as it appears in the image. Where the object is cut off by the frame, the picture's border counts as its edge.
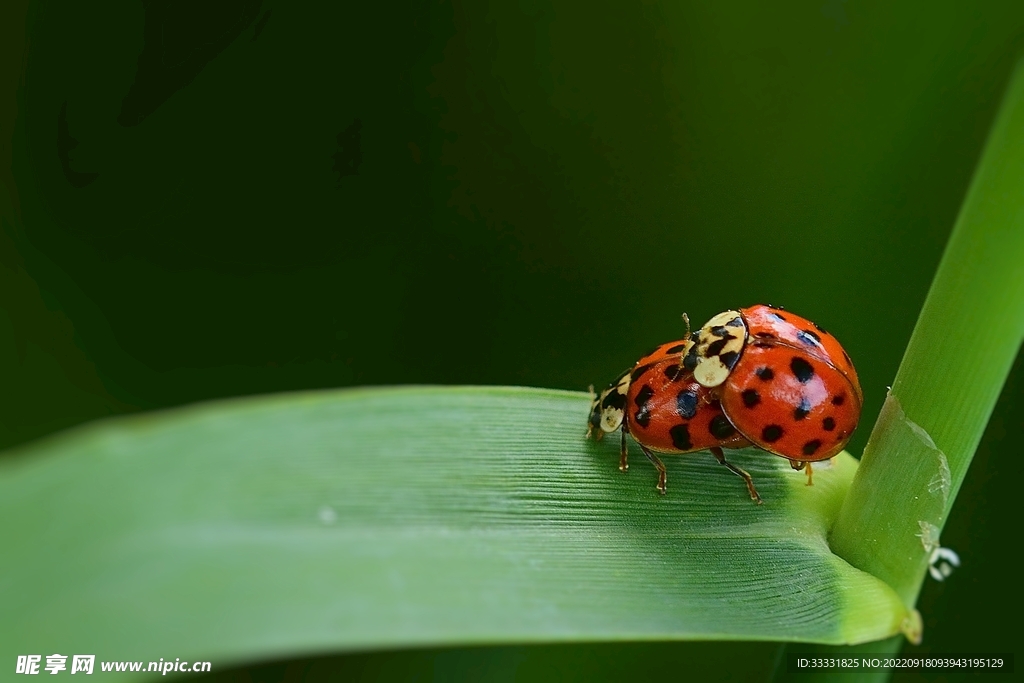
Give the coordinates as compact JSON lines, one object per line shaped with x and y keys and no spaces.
{"x":754,"y":495}
{"x":623,"y":462}
{"x":799,"y":465}
{"x":592,"y":419}
{"x":710,"y":398}
{"x":656,"y":461}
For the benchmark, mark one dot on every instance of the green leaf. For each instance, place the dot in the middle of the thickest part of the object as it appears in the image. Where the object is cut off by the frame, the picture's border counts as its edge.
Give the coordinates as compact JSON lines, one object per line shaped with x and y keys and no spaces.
{"x":963,"y":346}
{"x":410,"y":516}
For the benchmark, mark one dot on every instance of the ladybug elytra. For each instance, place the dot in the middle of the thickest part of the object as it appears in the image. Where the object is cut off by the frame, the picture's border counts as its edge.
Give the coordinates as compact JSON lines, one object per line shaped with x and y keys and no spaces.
{"x":758,"y":376}
{"x":666,"y":411}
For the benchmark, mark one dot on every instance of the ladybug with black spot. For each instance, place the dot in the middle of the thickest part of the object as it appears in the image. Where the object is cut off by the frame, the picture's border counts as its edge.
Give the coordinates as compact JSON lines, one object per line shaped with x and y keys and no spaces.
{"x":660,"y":404}
{"x":783,"y":382}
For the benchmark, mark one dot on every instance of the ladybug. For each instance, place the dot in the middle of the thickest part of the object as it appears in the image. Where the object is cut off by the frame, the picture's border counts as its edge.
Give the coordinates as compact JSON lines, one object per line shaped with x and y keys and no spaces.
{"x":660,"y":404}
{"x":783,"y":382}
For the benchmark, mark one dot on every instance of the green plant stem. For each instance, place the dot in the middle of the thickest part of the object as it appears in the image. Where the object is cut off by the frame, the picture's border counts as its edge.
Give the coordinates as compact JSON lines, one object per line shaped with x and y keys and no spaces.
{"x":959,"y":356}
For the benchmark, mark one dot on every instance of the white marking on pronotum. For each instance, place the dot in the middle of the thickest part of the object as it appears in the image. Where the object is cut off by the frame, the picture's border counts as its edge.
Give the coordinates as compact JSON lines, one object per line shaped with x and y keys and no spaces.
{"x":710,"y":372}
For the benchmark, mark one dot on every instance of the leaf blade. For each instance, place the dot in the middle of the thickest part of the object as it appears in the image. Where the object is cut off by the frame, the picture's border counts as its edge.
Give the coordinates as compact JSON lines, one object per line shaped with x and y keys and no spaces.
{"x":409,"y":516}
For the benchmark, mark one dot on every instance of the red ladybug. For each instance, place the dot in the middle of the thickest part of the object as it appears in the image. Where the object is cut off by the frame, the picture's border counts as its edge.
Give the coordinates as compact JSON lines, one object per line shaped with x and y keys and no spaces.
{"x":660,"y":404}
{"x":784,"y":383}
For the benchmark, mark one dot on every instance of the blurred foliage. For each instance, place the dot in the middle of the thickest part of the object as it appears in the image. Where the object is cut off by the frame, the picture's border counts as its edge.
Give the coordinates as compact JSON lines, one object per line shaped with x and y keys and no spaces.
{"x":524,"y":193}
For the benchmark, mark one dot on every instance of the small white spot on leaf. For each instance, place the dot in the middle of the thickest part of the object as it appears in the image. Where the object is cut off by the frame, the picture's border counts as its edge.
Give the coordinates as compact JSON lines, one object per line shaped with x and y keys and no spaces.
{"x":327,"y":515}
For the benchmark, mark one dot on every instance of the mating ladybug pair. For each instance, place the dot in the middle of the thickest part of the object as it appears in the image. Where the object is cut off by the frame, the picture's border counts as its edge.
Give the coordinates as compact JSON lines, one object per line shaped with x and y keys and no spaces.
{"x":758,"y":376}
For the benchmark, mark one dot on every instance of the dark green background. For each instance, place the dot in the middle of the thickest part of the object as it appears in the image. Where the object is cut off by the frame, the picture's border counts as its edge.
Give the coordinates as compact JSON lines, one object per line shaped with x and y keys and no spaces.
{"x":208,"y":199}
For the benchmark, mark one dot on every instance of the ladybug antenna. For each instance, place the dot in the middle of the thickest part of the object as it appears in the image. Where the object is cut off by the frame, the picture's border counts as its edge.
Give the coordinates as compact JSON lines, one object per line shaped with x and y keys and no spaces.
{"x":688,"y":343}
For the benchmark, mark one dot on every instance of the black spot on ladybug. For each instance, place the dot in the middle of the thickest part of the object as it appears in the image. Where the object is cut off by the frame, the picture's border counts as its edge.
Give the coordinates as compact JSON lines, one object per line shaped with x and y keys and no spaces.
{"x":643,"y":417}
{"x":801,"y":411}
{"x":811,"y":447}
{"x":614,"y":399}
{"x":729,"y":358}
{"x":764,"y":335}
{"x":808,"y":337}
{"x":772,"y":433}
{"x":720,"y":331}
{"x":681,"y":437}
{"x":715,"y":347}
{"x":750,"y":397}
{"x":675,"y":349}
{"x":828,"y":424}
{"x":690,"y":359}
{"x":674,"y":372}
{"x":686,"y":403}
{"x":838,"y":399}
{"x":801,"y":369}
{"x":720,"y":427}
{"x":638,"y":372}
{"x":819,"y":327}
{"x":765,"y":374}
{"x":735,"y":322}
